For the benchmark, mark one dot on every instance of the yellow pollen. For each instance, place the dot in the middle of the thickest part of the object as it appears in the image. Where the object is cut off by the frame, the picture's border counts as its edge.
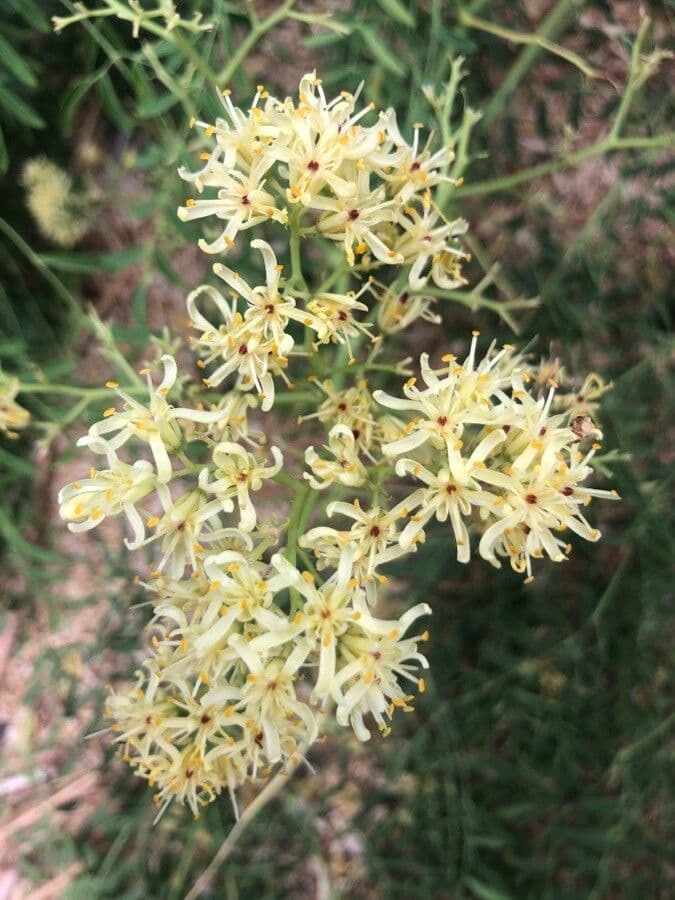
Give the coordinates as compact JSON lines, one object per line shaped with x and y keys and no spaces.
{"x":190,"y":203}
{"x":111,"y":384}
{"x":153,"y":521}
{"x":110,"y":411}
{"x":421,"y":685}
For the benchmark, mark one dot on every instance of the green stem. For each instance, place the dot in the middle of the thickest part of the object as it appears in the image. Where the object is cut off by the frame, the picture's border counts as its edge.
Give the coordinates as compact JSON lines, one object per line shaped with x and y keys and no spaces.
{"x":537,"y":40}
{"x":297,"y":278}
{"x":73,"y":390}
{"x":186,"y":49}
{"x":634,"y":80}
{"x":328,"y":282}
{"x":293,"y":396}
{"x":552,"y":24}
{"x":45,"y":271}
{"x":295,"y":524}
{"x":254,"y":35}
{"x":605,"y":145}
{"x":294,"y":520}
{"x":271,"y":789}
{"x":661,"y":730}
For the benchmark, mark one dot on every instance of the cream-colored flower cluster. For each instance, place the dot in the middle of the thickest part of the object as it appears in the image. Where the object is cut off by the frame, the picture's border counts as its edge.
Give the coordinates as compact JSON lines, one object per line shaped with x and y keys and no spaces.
{"x":260,"y":630}
{"x":363,"y":186}
{"x":54,"y":204}
{"x":13,"y":417}
{"x":487,"y":449}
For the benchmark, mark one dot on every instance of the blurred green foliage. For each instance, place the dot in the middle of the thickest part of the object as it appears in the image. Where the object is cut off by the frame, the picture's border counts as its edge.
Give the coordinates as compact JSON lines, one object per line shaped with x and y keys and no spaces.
{"x":541,"y":756}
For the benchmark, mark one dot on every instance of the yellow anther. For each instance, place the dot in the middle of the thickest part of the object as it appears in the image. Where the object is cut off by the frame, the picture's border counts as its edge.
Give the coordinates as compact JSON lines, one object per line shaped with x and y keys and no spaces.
{"x":153,"y":522}
{"x":110,"y":411}
{"x":111,"y":384}
{"x":421,"y":685}
{"x":190,"y":202}
{"x":308,"y":577}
